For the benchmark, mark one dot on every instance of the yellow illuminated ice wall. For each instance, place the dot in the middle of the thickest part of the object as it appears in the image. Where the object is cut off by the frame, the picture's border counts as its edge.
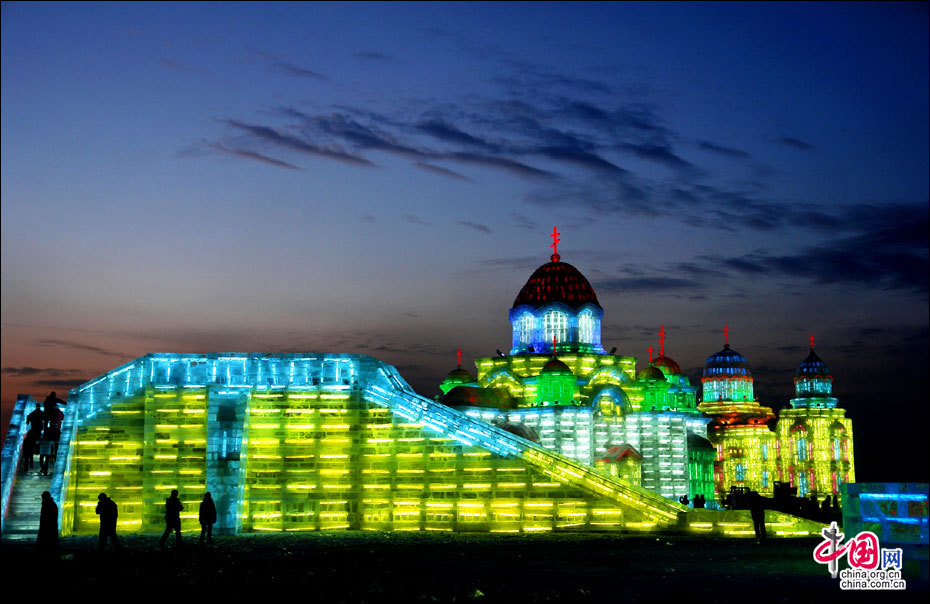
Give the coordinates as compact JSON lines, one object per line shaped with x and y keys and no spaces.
{"x":318,"y":442}
{"x":815,"y":438}
{"x":745,"y":446}
{"x":811,"y":448}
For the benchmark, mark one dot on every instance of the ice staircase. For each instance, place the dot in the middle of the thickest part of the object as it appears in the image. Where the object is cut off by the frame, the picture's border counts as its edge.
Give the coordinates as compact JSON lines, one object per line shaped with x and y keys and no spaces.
{"x":22,"y":521}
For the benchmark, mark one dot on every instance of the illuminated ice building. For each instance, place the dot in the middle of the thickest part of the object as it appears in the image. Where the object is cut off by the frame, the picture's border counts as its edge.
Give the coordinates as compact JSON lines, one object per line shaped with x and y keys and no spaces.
{"x":559,"y":387}
{"x":328,"y":441}
{"x":811,"y":448}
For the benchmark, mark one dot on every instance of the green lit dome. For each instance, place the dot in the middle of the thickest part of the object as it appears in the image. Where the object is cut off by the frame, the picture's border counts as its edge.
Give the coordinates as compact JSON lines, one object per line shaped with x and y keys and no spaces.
{"x":651,"y":373}
{"x":667,"y":365}
{"x":456,"y":377}
{"x":555,"y":366}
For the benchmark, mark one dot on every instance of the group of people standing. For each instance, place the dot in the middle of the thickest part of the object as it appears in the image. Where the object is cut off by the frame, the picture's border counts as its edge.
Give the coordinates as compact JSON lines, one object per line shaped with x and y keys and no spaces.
{"x":173,"y":509}
{"x":42,"y":437}
{"x":698,"y":502}
{"x":43,"y":434}
{"x":109,"y":513}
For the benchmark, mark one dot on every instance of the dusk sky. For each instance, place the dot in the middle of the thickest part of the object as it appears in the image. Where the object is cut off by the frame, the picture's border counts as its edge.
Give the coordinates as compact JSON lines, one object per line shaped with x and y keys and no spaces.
{"x":382,"y":179}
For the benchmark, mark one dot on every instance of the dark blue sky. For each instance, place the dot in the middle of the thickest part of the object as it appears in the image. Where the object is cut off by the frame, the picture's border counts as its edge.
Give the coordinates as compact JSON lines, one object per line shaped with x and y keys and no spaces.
{"x":381,"y":178}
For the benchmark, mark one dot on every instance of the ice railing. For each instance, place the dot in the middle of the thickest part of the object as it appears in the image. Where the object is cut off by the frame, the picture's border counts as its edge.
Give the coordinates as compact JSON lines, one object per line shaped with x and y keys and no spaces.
{"x":390,"y":390}
{"x":13,"y":451}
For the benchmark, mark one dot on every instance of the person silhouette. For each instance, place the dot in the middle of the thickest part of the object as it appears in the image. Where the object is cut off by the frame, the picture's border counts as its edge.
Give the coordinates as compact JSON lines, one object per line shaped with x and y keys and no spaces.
{"x":108,"y":512}
{"x":33,"y":435}
{"x":36,"y":421}
{"x":173,"y":509}
{"x":52,"y":415}
{"x":47,"y":541}
{"x":46,"y":448}
{"x":207,"y":517}
{"x":757,"y":511}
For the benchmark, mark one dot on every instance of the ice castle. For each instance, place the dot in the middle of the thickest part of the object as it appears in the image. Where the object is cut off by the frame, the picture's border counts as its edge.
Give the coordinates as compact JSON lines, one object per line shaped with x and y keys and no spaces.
{"x":559,"y":387}
{"x":557,"y":435}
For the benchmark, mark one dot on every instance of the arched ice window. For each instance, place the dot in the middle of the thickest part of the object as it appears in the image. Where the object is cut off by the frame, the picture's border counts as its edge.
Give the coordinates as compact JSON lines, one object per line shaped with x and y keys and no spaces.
{"x":586,"y":327}
{"x":799,"y":432}
{"x":555,"y":324}
{"x":526,"y":325}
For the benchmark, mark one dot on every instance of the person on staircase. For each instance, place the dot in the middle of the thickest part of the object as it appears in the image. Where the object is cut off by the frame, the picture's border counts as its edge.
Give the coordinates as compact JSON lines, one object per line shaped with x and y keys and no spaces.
{"x":52,"y":415}
{"x":35,"y":421}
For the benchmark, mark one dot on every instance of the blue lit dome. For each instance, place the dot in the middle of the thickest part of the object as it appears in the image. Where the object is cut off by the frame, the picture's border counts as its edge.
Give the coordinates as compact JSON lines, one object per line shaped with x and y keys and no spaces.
{"x":813,"y":378}
{"x":727,"y":364}
{"x":812,"y":367}
{"x":727,"y":377}
{"x":556,"y":303}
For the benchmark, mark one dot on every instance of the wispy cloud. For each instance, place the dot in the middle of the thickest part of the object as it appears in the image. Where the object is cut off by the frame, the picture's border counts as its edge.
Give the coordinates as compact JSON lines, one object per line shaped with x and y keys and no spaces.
{"x":372,"y":55}
{"x":886,"y":246}
{"x":580,"y":157}
{"x":289,"y":67}
{"x":522,"y":221}
{"x":364,"y":137}
{"x":49,"y":372}
{"x":449,"y":133}
{"x":722,"y":150}
{"x":412,"y":219}
{"x":63,"y":383}
{"x":298,"y":71}
{"x":291,"y":142}
{"x":658,"y":153}
{"x":794,"y":142}
{"x":441,"y":171}
{"x":501,"y":163}
{"x":254,"y":156}
{"x":563,"y":134}
{"x":52,"y":343}
{"x":474,"y":226}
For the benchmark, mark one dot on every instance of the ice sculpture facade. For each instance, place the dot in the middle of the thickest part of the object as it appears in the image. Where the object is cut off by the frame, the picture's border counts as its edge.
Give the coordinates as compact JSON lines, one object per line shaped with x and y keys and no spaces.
{"x":582,"y":401}
{"x":305,"y":442}
{"x":314,"y":442}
